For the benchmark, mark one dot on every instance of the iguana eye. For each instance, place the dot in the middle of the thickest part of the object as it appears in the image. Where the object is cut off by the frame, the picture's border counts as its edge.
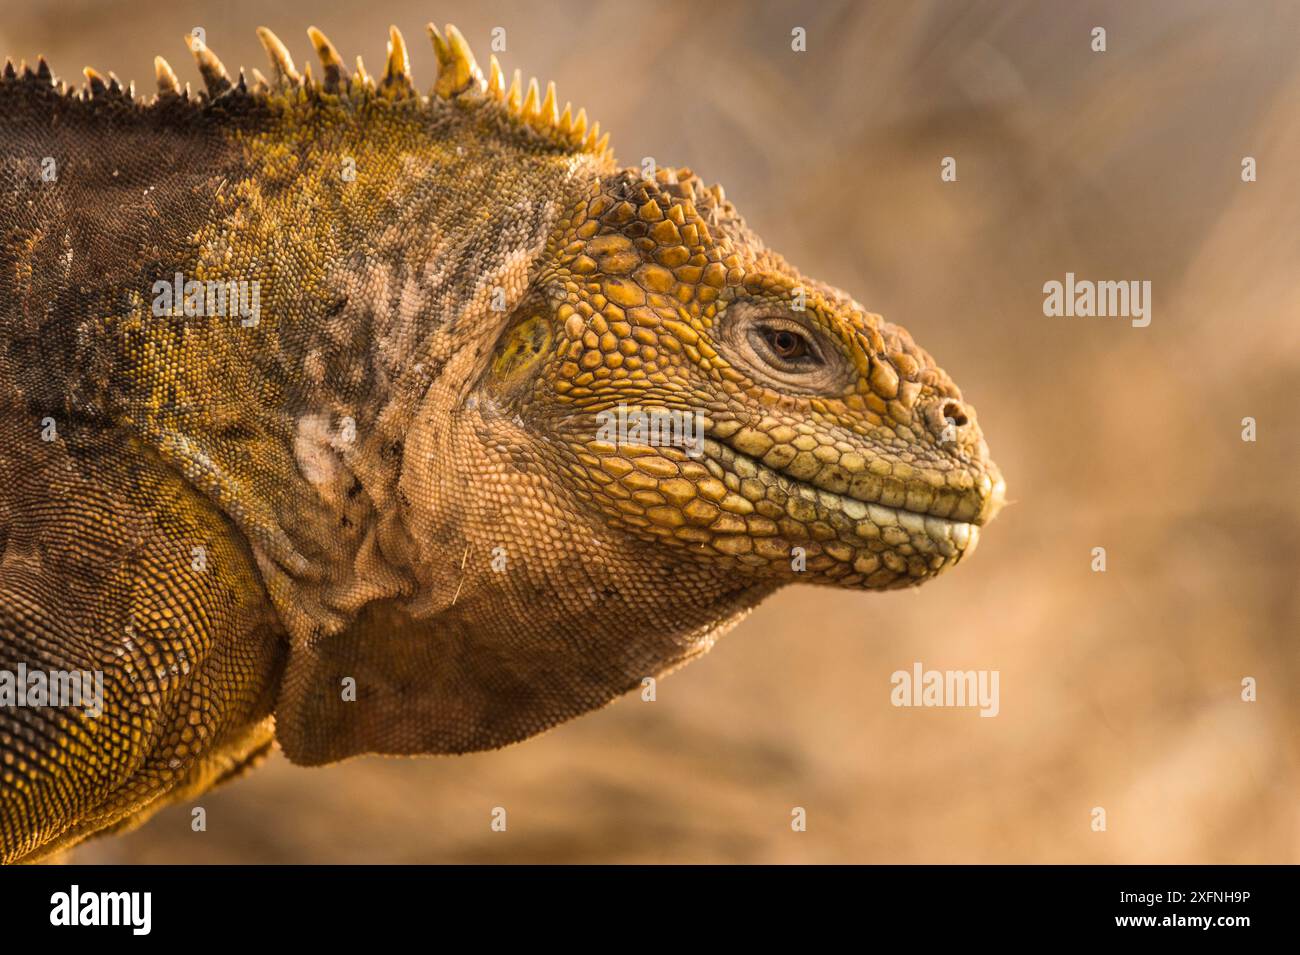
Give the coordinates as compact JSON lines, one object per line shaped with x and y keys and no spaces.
{"x":787,"y":344}
{"x":783,"y":351}
{"x":784,"y":345}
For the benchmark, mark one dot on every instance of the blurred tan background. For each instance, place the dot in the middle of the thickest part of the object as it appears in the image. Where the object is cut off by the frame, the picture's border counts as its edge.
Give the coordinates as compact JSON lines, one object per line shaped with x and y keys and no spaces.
{"x":1119,"y":690}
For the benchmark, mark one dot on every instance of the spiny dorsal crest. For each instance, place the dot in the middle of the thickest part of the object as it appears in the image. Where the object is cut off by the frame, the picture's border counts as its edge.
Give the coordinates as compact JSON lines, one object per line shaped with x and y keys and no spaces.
{"x":459,"y":80}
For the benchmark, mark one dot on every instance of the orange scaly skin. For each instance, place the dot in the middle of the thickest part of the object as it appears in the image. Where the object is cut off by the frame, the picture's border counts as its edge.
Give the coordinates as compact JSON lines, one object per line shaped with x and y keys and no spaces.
{"x":385,"y":516}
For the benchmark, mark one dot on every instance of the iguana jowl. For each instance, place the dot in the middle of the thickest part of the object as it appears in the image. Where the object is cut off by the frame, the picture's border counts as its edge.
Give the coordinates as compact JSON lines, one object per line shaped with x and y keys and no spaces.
{"x":388,"y":473}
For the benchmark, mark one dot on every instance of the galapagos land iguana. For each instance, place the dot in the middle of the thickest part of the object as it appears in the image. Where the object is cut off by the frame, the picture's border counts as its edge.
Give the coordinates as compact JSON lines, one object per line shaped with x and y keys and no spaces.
{"x":306,"y":385}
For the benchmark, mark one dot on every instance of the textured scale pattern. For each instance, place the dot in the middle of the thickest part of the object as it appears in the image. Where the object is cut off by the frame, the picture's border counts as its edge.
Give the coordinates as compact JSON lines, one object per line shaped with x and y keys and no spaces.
{"x":394,"y":471}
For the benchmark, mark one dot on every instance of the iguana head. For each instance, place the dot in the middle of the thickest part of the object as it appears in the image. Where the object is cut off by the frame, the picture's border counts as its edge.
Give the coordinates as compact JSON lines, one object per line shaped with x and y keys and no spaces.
{"x":707,"y":398}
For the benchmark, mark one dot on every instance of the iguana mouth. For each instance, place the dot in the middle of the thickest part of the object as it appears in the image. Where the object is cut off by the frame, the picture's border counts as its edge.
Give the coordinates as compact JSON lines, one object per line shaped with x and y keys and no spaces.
{"x":828,"y":514}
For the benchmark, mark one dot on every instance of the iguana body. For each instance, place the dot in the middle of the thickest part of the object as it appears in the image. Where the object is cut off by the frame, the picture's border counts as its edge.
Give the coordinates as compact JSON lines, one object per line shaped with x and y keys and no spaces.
{"x":387,"y":480}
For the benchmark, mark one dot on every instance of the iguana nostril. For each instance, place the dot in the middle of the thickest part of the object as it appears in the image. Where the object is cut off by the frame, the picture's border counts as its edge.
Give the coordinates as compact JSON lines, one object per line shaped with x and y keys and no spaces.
{"x":955,"y":413}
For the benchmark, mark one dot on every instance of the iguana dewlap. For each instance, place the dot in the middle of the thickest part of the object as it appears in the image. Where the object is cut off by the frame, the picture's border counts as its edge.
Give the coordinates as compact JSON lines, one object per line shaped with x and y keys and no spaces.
{"x":322,"y":424}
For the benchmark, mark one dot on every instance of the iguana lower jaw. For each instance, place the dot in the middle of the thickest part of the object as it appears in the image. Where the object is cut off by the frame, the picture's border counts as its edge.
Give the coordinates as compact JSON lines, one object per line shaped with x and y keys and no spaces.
{"x":874,"y":544}
{"x":730,"y":510}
